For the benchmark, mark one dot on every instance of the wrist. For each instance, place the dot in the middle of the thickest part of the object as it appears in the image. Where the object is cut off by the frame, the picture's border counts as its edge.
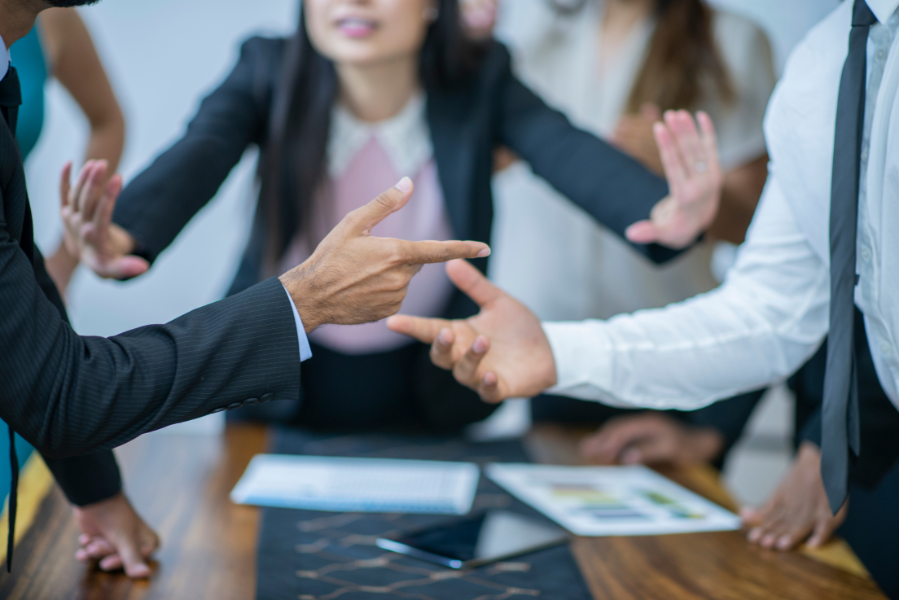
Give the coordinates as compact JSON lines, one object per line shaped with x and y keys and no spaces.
{"x":298,"y":289}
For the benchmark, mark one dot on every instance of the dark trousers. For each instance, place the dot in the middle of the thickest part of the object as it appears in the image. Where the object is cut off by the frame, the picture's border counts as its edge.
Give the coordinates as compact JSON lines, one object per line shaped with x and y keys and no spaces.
{"x":399,"y":390}
{"x":872,"y":529}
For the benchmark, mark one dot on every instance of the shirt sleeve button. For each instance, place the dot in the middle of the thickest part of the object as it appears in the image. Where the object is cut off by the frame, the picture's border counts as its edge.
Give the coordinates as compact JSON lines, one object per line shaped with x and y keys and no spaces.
{"x":234,"y":405}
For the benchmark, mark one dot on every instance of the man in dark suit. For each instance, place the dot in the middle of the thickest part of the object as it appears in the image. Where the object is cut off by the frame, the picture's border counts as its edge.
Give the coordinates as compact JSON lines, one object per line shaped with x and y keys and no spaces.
{"x":69,"y":395}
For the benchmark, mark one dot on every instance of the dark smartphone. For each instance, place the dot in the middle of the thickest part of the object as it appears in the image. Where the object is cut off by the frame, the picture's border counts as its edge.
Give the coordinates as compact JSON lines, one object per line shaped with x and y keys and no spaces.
{"x":477,"y":540}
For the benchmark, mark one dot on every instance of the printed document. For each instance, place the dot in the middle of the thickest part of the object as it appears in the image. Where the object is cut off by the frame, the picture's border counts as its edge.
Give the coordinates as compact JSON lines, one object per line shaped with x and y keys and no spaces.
{"x":358,"y":484}
{"x":600,"y":501}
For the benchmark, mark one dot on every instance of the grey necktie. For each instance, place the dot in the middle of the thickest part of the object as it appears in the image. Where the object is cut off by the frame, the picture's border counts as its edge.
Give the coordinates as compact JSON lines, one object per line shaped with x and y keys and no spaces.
{"x":840,"y":405}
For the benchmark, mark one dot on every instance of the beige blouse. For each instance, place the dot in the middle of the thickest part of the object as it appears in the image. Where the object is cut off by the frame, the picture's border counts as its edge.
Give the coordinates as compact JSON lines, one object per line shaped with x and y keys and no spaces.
{"x":547,"y":252}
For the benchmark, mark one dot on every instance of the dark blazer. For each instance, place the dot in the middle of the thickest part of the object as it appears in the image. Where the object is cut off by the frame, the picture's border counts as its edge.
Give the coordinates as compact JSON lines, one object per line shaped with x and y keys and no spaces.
{"x":490,"y":109}
{"x":69,"y":395}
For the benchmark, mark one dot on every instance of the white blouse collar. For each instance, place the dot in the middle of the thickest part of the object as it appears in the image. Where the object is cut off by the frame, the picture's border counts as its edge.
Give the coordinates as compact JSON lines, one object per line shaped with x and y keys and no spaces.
{"x":405,"y":138}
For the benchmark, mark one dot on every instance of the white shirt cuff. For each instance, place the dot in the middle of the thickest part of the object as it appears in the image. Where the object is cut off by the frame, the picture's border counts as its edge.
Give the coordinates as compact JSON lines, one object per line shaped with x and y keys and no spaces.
{"x":305,"y":350}
{"x":584,"y":361}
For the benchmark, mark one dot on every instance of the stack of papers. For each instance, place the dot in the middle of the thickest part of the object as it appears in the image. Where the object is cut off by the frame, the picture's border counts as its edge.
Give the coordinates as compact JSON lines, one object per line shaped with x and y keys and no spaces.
{"x":358,"y":484}
{"x":599,"y":501}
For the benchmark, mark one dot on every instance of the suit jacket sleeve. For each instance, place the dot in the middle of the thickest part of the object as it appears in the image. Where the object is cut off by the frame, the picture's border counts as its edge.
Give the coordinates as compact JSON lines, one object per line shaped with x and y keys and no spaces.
{"x":159,"y":202}
{"x":70,"y":395}
{"x":611,"y":186}
{"x":91,"y":477}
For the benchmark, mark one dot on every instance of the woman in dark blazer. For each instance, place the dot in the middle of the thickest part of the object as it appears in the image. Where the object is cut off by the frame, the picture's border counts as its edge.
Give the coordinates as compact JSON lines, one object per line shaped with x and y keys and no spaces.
{"x":280,"y":98}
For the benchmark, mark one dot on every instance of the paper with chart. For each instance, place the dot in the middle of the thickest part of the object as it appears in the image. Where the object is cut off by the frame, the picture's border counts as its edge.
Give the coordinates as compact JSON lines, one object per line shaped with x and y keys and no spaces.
{"x":358,"y":484}
{"x":600,"y":501}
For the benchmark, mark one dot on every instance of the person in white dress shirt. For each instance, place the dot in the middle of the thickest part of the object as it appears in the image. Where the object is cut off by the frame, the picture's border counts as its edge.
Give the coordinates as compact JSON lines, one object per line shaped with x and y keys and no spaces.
{"x":772,"y":312}
{"x":613,"y":66}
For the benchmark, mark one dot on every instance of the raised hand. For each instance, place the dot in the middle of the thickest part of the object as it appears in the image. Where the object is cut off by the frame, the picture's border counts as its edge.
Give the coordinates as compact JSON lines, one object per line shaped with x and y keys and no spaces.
{"x":354,"y":277}
{"x":690,"y":160}
{"x":90,"y":234}
{"x":500,"y":353}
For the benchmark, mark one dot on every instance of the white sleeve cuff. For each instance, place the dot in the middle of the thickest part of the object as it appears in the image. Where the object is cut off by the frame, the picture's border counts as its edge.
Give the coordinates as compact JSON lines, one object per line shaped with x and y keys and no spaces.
{"x":305,"y":350}
{"x":584,"y":361}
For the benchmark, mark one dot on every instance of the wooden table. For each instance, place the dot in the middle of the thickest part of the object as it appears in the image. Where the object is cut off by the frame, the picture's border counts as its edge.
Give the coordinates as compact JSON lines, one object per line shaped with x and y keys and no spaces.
{"x":180,"y":484}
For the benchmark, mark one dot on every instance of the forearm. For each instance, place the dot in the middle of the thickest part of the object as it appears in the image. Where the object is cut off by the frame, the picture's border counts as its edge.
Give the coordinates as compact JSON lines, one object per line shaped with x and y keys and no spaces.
{"x":69,"y":395}
{"x":107,"y":140}
{"x":160,"y":201}
{"x":612,"y":187}
{"x":757,"y":328}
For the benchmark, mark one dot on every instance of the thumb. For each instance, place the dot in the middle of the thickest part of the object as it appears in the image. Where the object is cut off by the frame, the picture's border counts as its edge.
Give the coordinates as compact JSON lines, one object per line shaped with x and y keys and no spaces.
{"x":471,"y":281}
{"x":642,"y":232}
{"x":364,"y":218}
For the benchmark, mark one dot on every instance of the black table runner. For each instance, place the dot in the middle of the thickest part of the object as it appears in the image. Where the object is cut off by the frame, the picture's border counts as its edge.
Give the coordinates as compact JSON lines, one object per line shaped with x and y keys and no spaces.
{"x":314,"y":555}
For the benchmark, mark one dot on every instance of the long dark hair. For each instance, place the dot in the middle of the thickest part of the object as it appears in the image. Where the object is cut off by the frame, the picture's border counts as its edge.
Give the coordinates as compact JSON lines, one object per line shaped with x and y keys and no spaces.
{"x":293,"y":161}
{"x":683,"y":62}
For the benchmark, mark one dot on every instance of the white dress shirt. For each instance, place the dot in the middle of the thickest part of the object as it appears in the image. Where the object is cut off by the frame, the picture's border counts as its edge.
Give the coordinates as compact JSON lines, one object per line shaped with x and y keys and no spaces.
{"x":305,"y":350}
{"x":537,"y":229}
{"x":771,"y":313}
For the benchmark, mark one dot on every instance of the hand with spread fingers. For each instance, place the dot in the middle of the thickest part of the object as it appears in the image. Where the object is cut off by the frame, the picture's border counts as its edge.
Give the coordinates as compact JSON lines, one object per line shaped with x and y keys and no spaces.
{"x":798,"y":511}
{"x":690,"y":160}
{"x":90,"y":235}
{"x":354,"y":277}
{"x":500,"y":353}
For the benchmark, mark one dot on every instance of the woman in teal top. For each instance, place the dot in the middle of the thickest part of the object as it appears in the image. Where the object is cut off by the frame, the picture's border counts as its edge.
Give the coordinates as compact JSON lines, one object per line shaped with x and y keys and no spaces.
{"x":60,"y":46}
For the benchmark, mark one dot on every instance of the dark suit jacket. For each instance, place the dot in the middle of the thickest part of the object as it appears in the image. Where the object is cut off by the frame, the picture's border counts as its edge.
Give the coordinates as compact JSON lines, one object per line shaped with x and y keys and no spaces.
{"x":69,"y":395}
{"x":490,"y":109}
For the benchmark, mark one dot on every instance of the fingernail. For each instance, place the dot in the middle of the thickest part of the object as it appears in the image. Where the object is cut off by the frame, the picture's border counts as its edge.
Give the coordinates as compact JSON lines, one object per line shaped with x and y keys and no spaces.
{"x":404,"y":185}
{"x":784,"y":542}
{"x":484,"y":253}
{"x":480,"y":345}
{"x":754,"y":534}
{"x":444,"y":337}
{"x":746,"y":513}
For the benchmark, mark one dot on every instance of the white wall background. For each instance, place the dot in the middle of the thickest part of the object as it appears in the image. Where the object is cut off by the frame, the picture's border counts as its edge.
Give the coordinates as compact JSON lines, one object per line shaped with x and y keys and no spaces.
{"x":162,"y":56}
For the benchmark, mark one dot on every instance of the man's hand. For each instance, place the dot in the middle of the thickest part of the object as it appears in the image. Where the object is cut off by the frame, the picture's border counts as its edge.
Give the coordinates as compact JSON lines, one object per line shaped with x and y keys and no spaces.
{"x":116,"y":536}
{"x":90,"y":235}
{"x":690,"y":160}
{"x":798,"y":510}
{"x":353,"y":277}
{"x":501,"y":352}
{"x":651,"y":438}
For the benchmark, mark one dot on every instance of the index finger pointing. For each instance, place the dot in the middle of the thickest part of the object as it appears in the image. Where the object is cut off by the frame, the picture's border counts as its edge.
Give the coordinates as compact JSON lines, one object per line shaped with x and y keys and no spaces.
{"x":427,"y":252}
